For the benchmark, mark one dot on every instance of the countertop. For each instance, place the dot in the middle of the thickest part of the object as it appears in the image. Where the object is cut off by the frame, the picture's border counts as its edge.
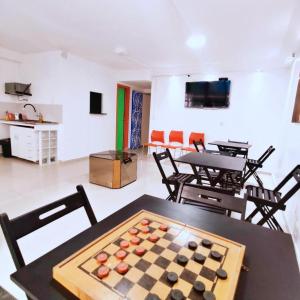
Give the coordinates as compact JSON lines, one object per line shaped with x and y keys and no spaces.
{"x":32,"y":124}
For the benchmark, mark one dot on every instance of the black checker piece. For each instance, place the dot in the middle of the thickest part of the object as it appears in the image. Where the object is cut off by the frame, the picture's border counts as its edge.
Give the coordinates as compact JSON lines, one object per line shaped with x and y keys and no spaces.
{"x":199,"y":258}
{"x":142,"y":265}
{"x":147,"y":282}
{"x":222,"y":274}
{"x":216,"y":255}
{"x":206,"y":243}
{"x":182,"y":260}
{"x":152,"y":297}
{"x":208,"y":295}
{"x":164,"y":279}
{"x":208,"y":273}
{"x":124,"y":285}
{"x":176,"y":295}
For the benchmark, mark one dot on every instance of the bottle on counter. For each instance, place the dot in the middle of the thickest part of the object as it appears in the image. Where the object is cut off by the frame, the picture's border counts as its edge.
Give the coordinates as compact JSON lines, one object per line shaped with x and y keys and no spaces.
{"x":6,"y":116}
{"x":41,"y":119}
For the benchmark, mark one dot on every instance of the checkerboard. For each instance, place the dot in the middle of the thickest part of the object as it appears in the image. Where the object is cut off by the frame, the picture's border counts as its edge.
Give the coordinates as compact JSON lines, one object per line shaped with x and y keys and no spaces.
{"x":147,"y":274}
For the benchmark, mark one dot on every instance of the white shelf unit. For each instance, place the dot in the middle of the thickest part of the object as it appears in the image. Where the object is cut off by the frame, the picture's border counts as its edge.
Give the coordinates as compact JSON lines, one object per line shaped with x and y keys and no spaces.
{"x":47,"y":146}
{"x":37,"y":145}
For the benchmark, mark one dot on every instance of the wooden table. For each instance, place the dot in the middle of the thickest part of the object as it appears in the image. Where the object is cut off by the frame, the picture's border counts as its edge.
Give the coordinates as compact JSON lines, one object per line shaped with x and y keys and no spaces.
{"x":223,"y":163}
{"x":270,"y":255}
{"x":233,"y":147}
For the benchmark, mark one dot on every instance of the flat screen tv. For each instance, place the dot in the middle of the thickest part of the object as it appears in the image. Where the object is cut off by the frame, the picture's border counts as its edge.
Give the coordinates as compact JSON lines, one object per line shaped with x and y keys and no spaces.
{"x":95,"y":103}
{"x":207,"y":94}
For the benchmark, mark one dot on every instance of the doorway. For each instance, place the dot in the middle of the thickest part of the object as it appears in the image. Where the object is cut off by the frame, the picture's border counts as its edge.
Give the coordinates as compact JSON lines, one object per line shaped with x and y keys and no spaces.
{"x":122,"y":120}
{"x":133,"y":114}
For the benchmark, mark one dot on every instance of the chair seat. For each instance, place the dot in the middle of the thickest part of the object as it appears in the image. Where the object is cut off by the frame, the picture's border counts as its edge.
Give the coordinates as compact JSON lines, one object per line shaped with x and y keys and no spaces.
{"x":179,"y":177}
{"x":190,"y":149}
{"x":262,"y":195}
{"x":152,"y":145}
{"x":171,"y":146}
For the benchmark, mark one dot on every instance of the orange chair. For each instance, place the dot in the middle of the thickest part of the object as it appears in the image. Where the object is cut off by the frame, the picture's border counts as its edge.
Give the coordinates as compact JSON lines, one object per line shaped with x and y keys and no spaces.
{"x":157,"y":139}
{"x":175,"y":140}
{"x":194,"y":136}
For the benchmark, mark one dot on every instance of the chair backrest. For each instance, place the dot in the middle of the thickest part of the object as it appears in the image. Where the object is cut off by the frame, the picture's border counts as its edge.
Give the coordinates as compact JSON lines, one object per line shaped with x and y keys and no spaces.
{"x":237,"y":142}
{"x":158,"y":136}
{"x":196,"y":136}
{"x":176,"y":136}
{"x":251,"y":170}
{"x":294,"y":174}
{"x":25,"y":224}
{"x":158,"y":158}
{"x":199,"y":143}
{"x":266,"y":154}
{"x":190,"y":194}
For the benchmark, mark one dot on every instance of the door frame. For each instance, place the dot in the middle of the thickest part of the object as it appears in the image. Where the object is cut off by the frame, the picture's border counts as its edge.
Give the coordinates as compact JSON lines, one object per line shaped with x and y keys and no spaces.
{"x":126,"y":115}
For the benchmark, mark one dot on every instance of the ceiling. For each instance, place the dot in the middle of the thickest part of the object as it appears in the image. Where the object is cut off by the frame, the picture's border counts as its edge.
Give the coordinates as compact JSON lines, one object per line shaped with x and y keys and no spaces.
{"x":143,"y":34}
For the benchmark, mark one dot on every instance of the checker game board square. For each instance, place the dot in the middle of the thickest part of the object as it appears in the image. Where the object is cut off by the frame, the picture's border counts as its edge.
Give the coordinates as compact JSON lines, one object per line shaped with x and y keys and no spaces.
{"x":147,"y":282}
{"x":124,"y":285}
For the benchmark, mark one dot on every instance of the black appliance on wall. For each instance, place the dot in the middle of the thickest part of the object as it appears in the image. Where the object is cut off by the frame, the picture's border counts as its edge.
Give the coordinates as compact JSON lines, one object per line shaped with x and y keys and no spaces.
{"x":18,"y":89}
{"x":208,"y":94}
{"x":95,"y":103}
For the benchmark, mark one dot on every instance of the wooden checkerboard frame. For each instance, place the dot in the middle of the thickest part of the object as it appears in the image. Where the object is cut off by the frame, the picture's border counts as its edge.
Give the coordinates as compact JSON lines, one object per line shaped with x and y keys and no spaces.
{"x":147,"y":274}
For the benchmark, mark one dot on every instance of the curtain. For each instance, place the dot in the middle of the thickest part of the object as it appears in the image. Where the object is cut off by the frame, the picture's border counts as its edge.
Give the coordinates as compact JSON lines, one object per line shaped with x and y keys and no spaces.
{"x":136,"y":119}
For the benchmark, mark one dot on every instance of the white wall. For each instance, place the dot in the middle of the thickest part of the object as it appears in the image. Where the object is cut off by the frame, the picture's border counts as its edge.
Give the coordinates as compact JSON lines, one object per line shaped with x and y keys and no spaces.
{"x":290,"y":155}
{"x":256,"y":106}
{"x":9,"y":72}
{"x":68,"y":81}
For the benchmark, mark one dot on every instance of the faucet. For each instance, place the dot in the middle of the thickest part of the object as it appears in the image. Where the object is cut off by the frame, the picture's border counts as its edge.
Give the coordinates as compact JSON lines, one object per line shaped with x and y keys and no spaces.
{"x":28,"y":104}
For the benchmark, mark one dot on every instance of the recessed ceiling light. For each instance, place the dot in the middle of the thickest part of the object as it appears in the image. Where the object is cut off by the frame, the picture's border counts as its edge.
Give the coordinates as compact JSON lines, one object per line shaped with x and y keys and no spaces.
{"x":120,"y":51}
{"x":196,"y":41}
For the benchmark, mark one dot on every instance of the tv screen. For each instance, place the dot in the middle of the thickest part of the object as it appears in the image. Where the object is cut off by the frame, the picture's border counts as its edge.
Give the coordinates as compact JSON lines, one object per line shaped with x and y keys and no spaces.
{"x":211,"y":94}
{"x":95,"y":103}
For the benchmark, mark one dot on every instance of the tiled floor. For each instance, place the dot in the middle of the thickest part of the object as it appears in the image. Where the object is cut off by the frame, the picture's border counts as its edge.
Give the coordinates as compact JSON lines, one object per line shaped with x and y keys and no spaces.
{"x":25,"y":186}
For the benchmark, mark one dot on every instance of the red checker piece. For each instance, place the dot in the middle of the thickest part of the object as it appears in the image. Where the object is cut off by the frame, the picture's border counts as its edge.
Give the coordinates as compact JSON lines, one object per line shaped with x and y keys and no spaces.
{"x":124,"y":244}
{"x":122,"y":268}
{"x":133,"y":231}
{"x":135,"y":240}
{"x":145,"y":222}
{"x":163,"y":227}
{"x":153,"y":238}
{"x":102,"y":272}
{"x":140,"y":251}
{"x":145,"y":229}
{"x":102,"y":258}
{"x":121,"y":254}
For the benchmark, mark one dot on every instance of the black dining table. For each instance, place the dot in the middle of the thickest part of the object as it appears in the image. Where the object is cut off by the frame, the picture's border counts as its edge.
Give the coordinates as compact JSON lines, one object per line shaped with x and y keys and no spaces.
{"x":223,"y":163}
{"x":270,"y":257}
{"x":234,"y":148}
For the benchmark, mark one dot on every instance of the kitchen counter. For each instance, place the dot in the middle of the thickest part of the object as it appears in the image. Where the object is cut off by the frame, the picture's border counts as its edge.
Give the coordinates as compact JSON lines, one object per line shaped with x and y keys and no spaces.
{"x":32,"y":124}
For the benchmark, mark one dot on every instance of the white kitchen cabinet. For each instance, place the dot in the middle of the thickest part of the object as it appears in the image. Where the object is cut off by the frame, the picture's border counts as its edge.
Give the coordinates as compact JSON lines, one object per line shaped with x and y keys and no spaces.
{"x":37,"y":145}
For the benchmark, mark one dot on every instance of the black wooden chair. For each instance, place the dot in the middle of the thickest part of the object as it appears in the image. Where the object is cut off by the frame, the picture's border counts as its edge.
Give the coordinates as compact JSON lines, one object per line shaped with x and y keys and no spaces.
{"x":211,"y":199}
{"x":25,"y":224}
{"x":253,"y":165}
{"x":268,"y":202}
{"x":172,"y":182}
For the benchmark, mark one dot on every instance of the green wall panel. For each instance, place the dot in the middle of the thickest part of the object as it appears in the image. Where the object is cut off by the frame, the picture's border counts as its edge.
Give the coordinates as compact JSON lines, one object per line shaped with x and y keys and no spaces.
{"x":120,"y":118}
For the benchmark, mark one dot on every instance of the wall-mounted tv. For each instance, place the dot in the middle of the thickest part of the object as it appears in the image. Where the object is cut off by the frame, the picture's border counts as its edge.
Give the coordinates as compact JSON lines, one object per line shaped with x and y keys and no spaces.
{"x":95,"y":103}
{"x":207,"y":94}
